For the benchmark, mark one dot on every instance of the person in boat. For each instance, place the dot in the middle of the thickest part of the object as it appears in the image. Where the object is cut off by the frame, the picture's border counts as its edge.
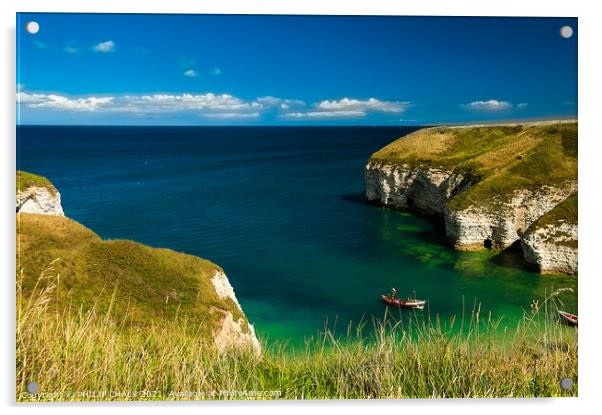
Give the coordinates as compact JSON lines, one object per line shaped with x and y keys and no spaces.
{"x":393,"y":293}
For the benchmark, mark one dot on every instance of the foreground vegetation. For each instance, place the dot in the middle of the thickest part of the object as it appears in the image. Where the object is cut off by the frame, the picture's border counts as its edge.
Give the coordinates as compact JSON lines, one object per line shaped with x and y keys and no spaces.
{"x":77,"y":354}
{"x":499,"y":159}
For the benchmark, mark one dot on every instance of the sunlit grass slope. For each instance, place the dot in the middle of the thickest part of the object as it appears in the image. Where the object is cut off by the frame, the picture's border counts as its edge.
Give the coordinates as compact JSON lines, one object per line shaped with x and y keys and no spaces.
{"x":147,"y":284}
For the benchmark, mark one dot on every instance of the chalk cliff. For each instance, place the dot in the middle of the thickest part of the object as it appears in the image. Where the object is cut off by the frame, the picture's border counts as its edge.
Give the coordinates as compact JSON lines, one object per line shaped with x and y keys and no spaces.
{"x":35,"y":194}
{"x":488,"y":184}
{"x":550,"y":244}
{"x":499,"y":225}
{"x":233,"y":332}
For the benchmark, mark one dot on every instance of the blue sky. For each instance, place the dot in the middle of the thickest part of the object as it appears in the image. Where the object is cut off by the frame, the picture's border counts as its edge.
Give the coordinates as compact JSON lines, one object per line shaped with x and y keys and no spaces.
{"x":292,"y":70}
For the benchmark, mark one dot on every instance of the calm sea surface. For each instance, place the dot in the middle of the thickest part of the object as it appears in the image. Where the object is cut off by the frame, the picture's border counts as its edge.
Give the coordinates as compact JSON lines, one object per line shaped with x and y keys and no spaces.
{"x":282,"y":211}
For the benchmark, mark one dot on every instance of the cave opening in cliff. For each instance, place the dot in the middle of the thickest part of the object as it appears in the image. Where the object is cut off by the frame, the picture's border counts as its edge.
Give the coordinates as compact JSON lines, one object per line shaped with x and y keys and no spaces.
{"x":487,"y":243}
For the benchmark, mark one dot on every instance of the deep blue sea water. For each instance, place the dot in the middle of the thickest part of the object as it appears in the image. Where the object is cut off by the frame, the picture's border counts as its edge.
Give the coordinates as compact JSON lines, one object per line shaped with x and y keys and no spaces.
{"x":281,"y":210}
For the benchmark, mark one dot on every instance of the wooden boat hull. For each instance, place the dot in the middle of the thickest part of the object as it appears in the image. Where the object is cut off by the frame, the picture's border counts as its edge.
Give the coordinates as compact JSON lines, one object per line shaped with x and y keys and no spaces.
{"x":403,"y":304}
{"x":568,"y":318}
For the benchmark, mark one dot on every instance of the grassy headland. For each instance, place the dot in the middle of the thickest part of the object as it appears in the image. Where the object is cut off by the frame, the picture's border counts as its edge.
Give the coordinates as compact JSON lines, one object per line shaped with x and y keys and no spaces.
{"x":500,"y":159}
{"x":146,"y":284}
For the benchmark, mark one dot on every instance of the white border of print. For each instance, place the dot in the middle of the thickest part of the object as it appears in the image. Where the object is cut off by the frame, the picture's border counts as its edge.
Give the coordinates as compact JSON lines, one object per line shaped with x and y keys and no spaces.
{"x":589,"y":232}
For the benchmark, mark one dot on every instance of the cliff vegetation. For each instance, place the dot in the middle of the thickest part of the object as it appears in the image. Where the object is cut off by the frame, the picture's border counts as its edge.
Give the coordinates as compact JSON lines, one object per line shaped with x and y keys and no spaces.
{"x":26,"y":180}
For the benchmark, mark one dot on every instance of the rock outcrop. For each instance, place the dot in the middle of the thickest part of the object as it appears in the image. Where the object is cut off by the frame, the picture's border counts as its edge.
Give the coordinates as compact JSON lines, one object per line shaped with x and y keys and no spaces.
{"x":487,"y":198}
{"x":40,"y":200}
{"x":234,"y":332}
{"x":503,"y":222}
{"x":428,"y":190}
{"x":552,"y":249}
{"x":550,"y":245}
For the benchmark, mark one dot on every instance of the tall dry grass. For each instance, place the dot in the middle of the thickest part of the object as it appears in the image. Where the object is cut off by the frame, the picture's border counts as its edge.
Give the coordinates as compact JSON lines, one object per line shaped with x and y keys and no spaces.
{"x":84,"y":355}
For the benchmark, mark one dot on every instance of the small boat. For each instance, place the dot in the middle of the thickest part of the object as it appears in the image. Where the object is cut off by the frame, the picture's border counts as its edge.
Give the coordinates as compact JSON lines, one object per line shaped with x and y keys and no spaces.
{"x":568,"y":318}
{"x":409,"y":303}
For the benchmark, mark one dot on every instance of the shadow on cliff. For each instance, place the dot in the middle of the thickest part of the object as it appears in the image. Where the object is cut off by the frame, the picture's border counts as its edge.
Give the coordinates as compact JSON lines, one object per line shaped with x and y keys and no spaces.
{"x":511,"y":257}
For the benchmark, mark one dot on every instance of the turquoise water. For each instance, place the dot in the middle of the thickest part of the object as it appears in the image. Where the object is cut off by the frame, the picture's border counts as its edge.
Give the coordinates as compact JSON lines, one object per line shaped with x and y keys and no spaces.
{"x":282,"y":211}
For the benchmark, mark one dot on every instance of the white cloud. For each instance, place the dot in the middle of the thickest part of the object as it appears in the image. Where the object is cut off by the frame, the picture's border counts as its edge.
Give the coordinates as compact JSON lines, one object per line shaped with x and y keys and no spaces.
{"x":190,"y":73}
{"x":269,"y":101}
{"x":348,"y":108}
{"x":490,"y":105}
{"x":208,"y":105}
{"x":60,"y":102}
{"x":178,"y":102}
{"x":104,"y":47}
{"x":522,"y":105}
{"x":215,"y":71}
{"x":371,"y":104}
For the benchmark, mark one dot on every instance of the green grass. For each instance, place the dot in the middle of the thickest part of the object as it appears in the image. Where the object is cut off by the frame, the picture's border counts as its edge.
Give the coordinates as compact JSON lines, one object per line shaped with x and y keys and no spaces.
{"x":25,"y":180}
{"x":89,"y":355}
{"x":498,"y":159}
{"x":147,"y":284}
{"x":566,"y":211}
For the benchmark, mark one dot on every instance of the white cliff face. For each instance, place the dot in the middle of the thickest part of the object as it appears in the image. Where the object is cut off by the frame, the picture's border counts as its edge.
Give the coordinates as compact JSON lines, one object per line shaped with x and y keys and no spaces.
{"x":232,"y":333}
{"x":39,"y":200}
{"x":497,"y":224}
{"x":552,"y":248}
{"x":425,"y":189}
{"x":502,"y":223}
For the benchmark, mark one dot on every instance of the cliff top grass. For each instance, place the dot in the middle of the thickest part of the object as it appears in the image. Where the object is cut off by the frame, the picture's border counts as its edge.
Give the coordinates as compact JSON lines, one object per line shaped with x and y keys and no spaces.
{"x":498,"y":158}
{"x":566,"y":211}
{"x":149,"y":285}
{"x":26,"y":180}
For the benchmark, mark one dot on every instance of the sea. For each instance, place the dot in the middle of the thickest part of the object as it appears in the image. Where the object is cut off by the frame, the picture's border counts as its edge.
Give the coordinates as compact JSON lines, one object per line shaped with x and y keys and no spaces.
{"x":282,"y":211}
